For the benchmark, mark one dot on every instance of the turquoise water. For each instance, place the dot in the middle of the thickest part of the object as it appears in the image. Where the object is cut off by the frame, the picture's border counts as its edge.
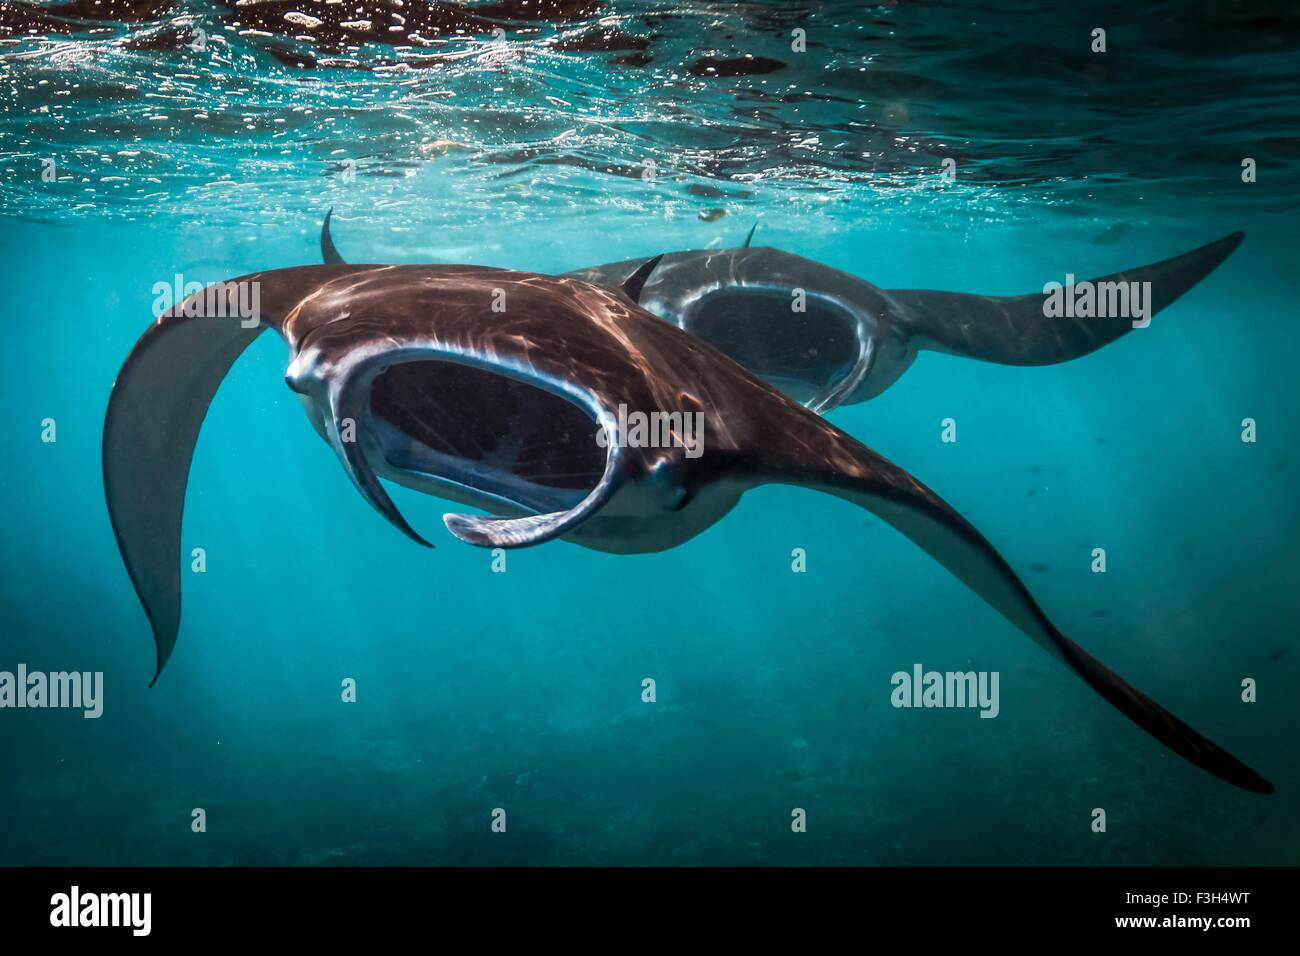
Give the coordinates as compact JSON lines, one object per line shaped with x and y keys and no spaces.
{"x":522,"y":690}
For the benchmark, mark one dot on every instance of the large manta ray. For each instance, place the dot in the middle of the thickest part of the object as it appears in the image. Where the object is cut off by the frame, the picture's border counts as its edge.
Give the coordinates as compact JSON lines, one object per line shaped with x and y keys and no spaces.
{"x":853,"y":340}
{"x":489,"y":387}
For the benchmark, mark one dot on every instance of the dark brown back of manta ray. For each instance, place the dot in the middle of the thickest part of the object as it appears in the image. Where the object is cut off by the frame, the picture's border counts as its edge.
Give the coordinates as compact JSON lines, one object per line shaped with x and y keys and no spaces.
{"x":583,"y":336}
{"x":561,"y":328}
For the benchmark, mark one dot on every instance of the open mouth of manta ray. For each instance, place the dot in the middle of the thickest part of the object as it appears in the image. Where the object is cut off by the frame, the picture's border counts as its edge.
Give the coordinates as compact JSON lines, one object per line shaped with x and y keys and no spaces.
{"x":802,"y":347}
{"x":483,"y":438}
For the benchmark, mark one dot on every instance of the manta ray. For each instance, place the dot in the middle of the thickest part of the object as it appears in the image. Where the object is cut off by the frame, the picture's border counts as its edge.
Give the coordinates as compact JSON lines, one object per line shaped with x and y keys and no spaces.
{"x":852,"y":340}
{"x":413,"y":374}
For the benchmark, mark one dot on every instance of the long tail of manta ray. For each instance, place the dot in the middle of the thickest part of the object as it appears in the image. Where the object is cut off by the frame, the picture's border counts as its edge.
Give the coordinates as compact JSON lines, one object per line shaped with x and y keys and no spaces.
{"x":162,"y":393}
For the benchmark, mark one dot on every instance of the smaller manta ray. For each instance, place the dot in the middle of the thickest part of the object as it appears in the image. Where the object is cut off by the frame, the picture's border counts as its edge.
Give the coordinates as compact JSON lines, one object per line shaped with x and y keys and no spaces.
{"x":411,"y":374}
{"x":853,"y":340}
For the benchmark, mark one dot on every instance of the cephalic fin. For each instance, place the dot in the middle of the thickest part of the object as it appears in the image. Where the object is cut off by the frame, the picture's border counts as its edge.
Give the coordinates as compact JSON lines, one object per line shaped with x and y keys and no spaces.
{"x":349,"y":440}
{"x":488,"y":531}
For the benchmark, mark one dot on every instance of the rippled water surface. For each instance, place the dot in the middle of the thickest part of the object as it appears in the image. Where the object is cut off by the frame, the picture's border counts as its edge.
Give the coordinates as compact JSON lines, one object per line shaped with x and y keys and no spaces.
{"x":139,"y":140}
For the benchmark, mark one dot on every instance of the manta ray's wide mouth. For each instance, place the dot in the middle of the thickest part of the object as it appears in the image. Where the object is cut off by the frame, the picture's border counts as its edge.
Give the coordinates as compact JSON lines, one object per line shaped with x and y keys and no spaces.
{"x":801,"y":353}
{"x":484,"y":437}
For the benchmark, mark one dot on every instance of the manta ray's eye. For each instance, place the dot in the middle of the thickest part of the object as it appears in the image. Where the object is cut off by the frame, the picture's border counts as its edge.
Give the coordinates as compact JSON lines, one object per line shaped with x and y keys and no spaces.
{"x":802,"y":353}
{"x":461,"y":427}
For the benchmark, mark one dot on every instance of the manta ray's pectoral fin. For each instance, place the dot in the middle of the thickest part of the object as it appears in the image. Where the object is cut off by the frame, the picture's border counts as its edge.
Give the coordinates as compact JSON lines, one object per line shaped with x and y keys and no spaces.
{"x":1018,"y":330}
{"x":328,"y":253}
{"x":831,"y":461}
{"x":155,"y":411}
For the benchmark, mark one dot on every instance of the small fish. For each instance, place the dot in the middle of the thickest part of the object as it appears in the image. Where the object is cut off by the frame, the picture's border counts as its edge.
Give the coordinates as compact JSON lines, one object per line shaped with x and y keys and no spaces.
{"x":792,"y":776}
{"x":1189,"y":551}
{"x":1112,"y":235}
{"x":1035,"y":469}
{"x":712,"y":215}
{"x":713,"y":192}
{"x":635,"y":58}
{"x":441,"y":147}
{"x":1282,"y":465}
{"x":1102,"y":441}
{"x":1039,"y":566}
{"x":1278,"y":654}
{"x":747,"y":65}
{"x":1100,"y":612}
{"x":1031,"y":492}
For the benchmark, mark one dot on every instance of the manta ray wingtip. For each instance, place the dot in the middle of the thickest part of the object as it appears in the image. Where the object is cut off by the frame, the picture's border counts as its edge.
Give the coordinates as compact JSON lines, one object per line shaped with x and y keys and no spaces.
{"x":1220,"y":249}
{"x":1197,"y":264}
{"x":1174,"y":277}
{"x":164,"y":643}
{"x":1230,"y":769}
{"x":1262,"y":786}
{"x":1233,"y":240}
{"x":1239,"y":775}
{"x":328,"y":252}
